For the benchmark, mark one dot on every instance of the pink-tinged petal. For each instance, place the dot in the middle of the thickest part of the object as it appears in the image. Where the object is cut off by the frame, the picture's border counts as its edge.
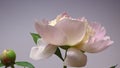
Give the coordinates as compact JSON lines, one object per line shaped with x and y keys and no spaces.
{"x":62,"y":15}
{"x":98,"y":30}
{"x":59,"y":18}
{"x":42,"y":52}
{"x":95,"y":25}
{"x":74,"y":29}
{"x":75,"y":58}
{"x":97,"y":46}
{"x":83,"y":19}
{"x":107,"y":38}
{"x":50,"y":34}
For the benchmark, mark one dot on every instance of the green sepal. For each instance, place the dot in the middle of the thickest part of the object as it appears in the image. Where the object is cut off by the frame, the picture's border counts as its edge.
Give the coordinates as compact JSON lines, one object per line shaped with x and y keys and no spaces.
{"x":11,"y":54}
{"x":58,"y":53}
{"x":35,"y":37}
{"x":1,"y":65}
{"x":24,"y":64}
{"x":114,"y":66}
{"x":65,"y":47}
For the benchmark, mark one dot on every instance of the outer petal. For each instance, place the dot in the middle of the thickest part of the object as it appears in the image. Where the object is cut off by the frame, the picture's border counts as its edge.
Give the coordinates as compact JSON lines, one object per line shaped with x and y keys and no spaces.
{"x":97,"y":46}
{"x":59,"y":18}
{"x":74,"y":29}
{"x":41,"y":42}
{"x":75,"y":58}
{"x":50,"y":34}
{"x":41,"y":52}
{"x":99,"y":31}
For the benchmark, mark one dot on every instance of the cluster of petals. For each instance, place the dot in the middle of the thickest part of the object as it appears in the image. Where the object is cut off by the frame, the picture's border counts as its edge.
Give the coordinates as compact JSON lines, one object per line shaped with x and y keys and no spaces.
{"x":79,"y":34}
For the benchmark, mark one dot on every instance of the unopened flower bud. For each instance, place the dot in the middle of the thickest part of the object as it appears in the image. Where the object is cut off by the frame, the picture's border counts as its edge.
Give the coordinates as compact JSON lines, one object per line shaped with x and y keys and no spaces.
{"x":8,"y":57}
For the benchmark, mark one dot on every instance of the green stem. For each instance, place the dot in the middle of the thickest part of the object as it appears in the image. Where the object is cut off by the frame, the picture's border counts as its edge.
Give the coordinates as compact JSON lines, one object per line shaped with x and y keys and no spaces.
{"x":12,"y":66}
{"x":5,"y":66}
{"x":58,"y":53}
{"x":65,"y":54}
{"x":64,"y":58}
{"x":64,"y":66}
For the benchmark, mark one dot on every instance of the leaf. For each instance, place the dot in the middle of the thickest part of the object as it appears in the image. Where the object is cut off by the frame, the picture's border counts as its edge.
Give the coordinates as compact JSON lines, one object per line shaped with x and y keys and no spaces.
{"x":58,"y":53}
{"x":35,"y":37}
{"x":1,"y":65}
{"x":114,"y":66}
{"x":24,"y":64}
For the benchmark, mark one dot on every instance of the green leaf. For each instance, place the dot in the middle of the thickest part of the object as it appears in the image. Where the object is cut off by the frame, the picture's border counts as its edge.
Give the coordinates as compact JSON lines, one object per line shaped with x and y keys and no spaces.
{"x":114,"y":66}
{"x":24,"y":64}
{"x":58,"y":53}
{"x":1,"y":65}
{"x":35,"y":37}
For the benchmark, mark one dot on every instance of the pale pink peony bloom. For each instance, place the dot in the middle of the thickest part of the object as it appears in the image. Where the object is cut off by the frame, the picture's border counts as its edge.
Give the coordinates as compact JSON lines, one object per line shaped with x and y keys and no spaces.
{"x":76,"y":33}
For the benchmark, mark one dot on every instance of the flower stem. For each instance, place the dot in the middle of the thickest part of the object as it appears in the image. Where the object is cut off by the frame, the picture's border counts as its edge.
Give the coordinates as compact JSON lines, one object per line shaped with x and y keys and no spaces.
{"x":58,"y":53}
{"x":12,"y":66}
{"x":64,"y":58}
{"x":64,"y":66}
{"x":65,"y":54}
{"x":5,"y":66}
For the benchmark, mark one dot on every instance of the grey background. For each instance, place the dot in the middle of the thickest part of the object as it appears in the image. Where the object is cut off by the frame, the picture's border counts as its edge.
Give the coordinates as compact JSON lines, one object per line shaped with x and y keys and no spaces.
{"x":17,"y":21}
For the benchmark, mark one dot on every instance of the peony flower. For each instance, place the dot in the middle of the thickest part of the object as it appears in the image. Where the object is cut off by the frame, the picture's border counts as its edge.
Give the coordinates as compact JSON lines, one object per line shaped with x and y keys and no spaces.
{"x":66,"y":31}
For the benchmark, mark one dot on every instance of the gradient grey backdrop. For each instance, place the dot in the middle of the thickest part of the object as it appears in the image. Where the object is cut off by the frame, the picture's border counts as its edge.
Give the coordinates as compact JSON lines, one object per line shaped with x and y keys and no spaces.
{"x":17,"y":21}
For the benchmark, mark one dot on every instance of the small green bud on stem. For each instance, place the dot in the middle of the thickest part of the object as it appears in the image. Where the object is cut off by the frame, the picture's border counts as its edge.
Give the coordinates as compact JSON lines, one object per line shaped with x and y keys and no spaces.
{"x":8,"y":58}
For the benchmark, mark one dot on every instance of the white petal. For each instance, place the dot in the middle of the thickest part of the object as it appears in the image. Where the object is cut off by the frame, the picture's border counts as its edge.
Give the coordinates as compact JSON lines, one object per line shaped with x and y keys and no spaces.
{"x":83,"y":19}
{"x":42,"y":52}
{"x":59,"y":18}
{"x":41,"y":42}
{"x":74,"y":29}
{"x":98,"y":30}
{"x":97,"y":46}
{"x":75,"y":58}
{"x":51,"y":34}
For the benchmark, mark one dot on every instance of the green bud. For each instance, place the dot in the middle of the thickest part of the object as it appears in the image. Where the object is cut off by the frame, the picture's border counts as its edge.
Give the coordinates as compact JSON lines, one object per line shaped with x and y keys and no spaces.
{"x":8,"y":57}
